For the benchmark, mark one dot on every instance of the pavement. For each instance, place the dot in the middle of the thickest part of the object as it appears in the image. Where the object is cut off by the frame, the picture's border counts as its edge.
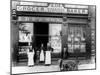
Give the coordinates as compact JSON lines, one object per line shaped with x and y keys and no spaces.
{"x":38,"y":67}
{"x":86,"y":66}
{"x":83,"y":65}
{"x":34,"y":69}
{"x":42,"y":68}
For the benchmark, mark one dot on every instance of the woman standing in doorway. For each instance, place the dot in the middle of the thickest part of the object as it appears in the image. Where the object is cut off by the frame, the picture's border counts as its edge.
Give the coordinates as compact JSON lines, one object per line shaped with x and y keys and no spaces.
{"x":42,"y":53}
{"x":30,"y":55}
{"x":48,"y":54}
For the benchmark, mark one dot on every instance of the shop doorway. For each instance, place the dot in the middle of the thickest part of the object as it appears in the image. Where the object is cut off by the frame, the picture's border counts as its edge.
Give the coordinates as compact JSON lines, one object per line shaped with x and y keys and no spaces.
{"x":41,"y":33}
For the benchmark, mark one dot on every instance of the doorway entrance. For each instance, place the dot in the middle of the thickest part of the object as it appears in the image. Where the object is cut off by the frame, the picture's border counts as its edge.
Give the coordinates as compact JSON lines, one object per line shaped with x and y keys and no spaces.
{"x":41,"y":32}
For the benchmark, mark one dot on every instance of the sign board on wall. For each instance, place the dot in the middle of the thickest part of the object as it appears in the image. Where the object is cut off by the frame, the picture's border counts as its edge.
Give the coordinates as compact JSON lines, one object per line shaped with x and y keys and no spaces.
{"x":52,"y":8}
{"x":41,"y":9}
{"x":77,"y":11}
{"x":53,"y":4}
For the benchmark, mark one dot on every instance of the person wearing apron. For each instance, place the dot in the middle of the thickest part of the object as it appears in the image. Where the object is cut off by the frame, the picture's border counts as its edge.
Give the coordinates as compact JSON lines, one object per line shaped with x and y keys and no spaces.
{"x":48,"y":54}
{"x":30,"y":54}
{"x":41,"y":54}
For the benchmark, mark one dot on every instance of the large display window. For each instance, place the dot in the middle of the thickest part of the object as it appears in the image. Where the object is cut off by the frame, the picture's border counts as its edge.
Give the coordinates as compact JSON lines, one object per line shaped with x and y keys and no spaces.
{"x":76,"y":39}
{"x":25,"y":37}
{"x":55,"y":36}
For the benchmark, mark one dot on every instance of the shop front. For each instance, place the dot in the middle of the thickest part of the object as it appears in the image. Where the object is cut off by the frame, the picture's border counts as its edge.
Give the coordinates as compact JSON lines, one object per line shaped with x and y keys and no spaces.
{"x":66,"y":27}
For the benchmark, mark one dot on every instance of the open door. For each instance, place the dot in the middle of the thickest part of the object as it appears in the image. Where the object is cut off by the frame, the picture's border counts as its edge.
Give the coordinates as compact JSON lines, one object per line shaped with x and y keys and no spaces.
{"x":40,"y":34}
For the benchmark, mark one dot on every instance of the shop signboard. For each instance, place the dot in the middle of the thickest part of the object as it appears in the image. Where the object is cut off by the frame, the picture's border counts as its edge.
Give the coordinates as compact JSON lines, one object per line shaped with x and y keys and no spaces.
{"x":52,"y":8}
{"x":41,"y":9}
{"x":77,"y":11}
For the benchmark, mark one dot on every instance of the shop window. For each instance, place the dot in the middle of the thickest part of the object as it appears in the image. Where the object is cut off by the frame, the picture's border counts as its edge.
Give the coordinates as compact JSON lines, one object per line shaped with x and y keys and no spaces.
{"x":25,"y":37}
{"x":55,"y":36}
{"x":76,"y":39}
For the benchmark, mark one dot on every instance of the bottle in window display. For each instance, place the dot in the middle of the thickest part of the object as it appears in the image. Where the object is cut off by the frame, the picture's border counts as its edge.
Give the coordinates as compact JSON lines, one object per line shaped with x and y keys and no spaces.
{"x":70,"y":48}
{"x":83,"y":49}
{"x":83,"y":37}
{"x":76,"y":46}
{"x":76,"y":39}
{"x":69,"y":39}
{"x":72,"y":35}
{"x":78,"y":34}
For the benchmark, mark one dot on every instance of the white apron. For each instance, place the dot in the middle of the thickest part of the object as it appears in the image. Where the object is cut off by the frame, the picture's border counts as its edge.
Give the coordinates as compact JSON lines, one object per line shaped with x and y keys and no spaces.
{"x":30,"y":58}
{"x":42,"y":56}
{"x":48,"y":57}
